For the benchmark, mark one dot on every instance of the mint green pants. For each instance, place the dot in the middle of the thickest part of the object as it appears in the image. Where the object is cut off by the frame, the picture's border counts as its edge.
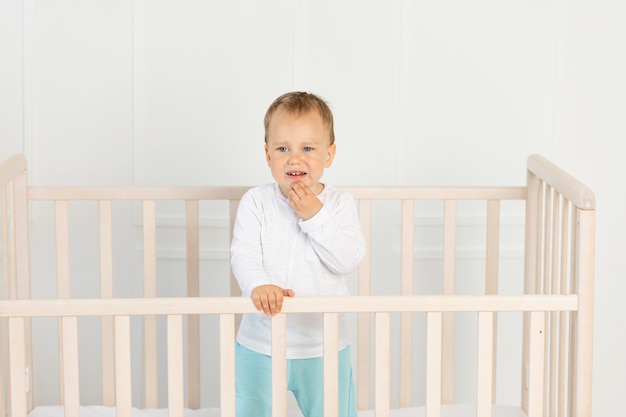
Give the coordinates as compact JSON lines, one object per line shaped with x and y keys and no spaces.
{"x":304,"y":380}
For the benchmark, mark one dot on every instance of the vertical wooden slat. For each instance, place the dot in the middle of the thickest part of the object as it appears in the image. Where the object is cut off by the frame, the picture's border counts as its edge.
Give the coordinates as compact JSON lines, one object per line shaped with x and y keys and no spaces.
{"x":563,"y":289}
{"x":150,"y":322}
{"x":22,"y":264}
{"x":554,"y":289}
{"x":331,"y":365}
{"x":531,"y":265}
{"x":7,"y":249}
{"x":63,"y":274}
{"x":536,"y":364}
{"x":175,"y":373}
{"x":382,"y":354}
{"x":485,"y":364}
{"x":279,"y":365}
{"x":7,"y":261}
{"x":434,"y":357}
{"x":544,"y":282}
{"x":227,"y":364}
{"x":406,"y":288}
{"x":123,"y":396}
{"x":193,"y":290}
{"x":492,"y":273}
{"x":70,"y":367}
{"x":106,"y":291}
{"x":17,"y":367}
{"x":449,"y":287}
{"x":363,"y":372}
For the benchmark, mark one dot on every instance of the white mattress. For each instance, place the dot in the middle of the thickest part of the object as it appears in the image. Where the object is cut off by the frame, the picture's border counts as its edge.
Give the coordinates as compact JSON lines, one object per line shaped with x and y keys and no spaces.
{"x":454,"y":410}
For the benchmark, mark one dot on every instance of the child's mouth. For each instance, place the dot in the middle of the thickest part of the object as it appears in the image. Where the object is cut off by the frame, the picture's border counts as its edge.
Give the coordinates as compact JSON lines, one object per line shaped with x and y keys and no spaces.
{"x":296,"y":173}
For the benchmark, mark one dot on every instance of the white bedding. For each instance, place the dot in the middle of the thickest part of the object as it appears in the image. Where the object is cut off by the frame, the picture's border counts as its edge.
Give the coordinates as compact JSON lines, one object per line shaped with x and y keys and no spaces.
{"x":454,"y":410}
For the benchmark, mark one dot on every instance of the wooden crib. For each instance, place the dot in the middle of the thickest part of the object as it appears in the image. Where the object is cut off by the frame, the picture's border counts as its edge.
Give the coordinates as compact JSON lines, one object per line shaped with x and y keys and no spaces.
{"x":422,"y":309}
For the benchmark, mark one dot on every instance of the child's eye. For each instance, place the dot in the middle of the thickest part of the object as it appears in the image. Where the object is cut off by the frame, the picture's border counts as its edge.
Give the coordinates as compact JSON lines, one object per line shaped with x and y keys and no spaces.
{"x":282,"y":149}
{"x":307,"y":149}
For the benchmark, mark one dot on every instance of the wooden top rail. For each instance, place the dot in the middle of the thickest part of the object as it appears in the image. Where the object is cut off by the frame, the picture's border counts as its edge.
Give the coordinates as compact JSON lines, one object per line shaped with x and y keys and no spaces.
{"x":235,"y":193}
{"x":12,"y":167}
{"x":575,"y":191}
{"x":236,"y":305}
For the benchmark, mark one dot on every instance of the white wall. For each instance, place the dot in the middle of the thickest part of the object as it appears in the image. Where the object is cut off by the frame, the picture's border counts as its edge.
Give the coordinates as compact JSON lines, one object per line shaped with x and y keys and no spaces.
{"x":118,"y":92}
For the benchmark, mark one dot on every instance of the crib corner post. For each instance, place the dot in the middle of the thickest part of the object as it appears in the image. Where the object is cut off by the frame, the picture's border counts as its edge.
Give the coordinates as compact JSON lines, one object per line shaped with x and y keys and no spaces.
{"x":582,"y":323}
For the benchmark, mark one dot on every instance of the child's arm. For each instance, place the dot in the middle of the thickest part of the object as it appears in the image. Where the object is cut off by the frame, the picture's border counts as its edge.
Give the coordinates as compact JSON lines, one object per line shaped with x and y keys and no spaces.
{"x":335,"y":233}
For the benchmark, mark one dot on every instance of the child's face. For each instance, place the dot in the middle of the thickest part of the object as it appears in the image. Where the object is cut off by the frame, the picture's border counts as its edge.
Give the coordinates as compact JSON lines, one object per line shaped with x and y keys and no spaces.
{"x":298,"y":149}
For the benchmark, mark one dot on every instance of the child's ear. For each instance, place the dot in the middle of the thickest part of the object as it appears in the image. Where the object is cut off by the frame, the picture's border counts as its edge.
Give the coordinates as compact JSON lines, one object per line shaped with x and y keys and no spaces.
{"x":330,"y":155}
{"x":267,"y":154}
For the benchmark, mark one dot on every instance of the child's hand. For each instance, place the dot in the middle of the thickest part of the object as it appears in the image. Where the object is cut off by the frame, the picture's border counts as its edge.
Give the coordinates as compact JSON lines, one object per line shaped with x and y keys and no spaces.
{"x":269,"y":298}
{"x":304,"y":201}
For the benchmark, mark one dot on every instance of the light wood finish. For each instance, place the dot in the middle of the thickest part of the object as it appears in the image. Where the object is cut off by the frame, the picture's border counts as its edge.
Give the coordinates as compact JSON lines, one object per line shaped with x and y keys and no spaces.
{"x":175,"y":378}
{"x":123,"y":394}
{"x":449,"y":287}
{"x":151,"y":376}
{"x":382,"y":355}
{"x":106,"y":291}
{"x":485,"y":364}
{"x":63,"y":275}
{"x":71,"y":381}
{"x":192,"y":233}
{"x":17,"y":364}
{"x":363,"y":367}
{"x":571,"y":188}
{"x":227,"y":364}
{"x":406,"y":288}
{"x":557,"y":304}
{"x":434,"y":358}
{"x":279,"y":365}
{"x":331,"y":367}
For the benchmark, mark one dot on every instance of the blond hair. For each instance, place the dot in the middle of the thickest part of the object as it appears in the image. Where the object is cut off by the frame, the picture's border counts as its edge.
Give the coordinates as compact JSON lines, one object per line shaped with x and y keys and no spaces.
{"x":297,"y":102}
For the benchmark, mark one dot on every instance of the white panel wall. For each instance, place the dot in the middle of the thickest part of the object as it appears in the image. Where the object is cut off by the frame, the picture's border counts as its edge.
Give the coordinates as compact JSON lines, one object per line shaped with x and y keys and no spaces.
{"x":116,"y":92}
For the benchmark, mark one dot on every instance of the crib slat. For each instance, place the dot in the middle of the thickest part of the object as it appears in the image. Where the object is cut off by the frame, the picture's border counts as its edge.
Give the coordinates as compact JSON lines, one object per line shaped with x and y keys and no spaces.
{"x":565,"y":256}
{"x":17,"y":367}
{"x":363,"y":319}
{"x":8,"y":260}
{"x":485,"y":364}
{"x":63,"y":272}
{"x":71,"y":382}
{"x":150,"y":324}
{"x":536,"y":364}
{"x":279,"y":365}
{"x":449,"y":287}
{"x":123,"y":397}
{"x":406,"y":319}
{"x":532,"y":264}
{"x":433,"y":363}
{"x":106,"y":291}
{"x":175,"y":374}
{"x":193,"y":290}
{"x":227,"y":365}
{"x":331,"y":366}
{"x":583,"y":266}
{"x":382,"y":354}
{"x":554,"y":281}
{"x":492,"y":267}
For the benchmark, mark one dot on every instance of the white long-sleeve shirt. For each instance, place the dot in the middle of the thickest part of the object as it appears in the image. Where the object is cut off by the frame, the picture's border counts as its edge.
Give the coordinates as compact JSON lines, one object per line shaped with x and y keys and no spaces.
{"x":272,"y":245}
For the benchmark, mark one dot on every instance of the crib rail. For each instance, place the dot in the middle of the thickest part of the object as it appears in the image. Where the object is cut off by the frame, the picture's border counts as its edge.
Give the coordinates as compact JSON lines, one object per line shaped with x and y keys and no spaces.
{"x":175,"y":309}
{"x":558,"y":260}
{"x":560,"y":253}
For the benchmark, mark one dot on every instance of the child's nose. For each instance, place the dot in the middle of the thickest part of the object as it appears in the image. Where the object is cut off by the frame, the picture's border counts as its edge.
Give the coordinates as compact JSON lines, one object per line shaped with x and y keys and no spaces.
{"x":295,"y":157}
